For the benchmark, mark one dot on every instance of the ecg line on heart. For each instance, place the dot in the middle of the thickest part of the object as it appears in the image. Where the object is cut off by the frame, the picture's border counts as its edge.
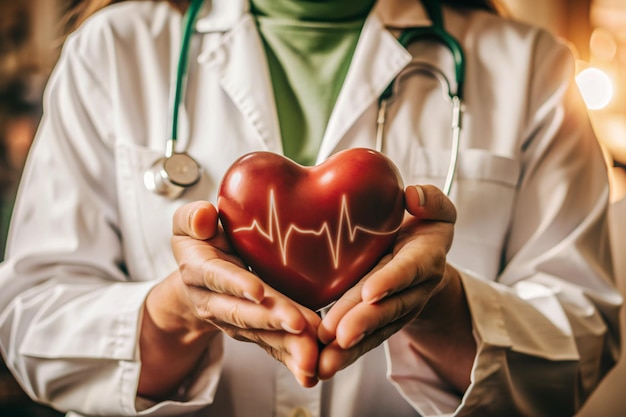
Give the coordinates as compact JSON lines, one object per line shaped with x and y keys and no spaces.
{"x":273,"y":223}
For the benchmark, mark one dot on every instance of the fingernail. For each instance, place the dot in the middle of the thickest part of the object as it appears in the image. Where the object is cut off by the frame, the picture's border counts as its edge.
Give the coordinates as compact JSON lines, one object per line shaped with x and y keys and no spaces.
{"x":306,"y":373}
{"x":378,"y":298}
{"x":355,"y":340}
{"x":420,"y":193}
{"x":289,"y":329}
{"x":249,"y":297}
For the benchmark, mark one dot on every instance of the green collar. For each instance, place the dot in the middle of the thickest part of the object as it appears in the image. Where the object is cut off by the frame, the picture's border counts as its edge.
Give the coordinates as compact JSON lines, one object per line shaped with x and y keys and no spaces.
{"x":313,"y":10}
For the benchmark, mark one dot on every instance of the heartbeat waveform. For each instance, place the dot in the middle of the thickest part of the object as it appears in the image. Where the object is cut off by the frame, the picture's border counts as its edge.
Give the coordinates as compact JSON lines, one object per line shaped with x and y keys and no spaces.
{"x":273,"y":224}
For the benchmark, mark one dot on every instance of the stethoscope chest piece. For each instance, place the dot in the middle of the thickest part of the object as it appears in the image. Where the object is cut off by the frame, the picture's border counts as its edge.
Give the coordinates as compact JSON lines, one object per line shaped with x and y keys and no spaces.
{"x":170,"y":176}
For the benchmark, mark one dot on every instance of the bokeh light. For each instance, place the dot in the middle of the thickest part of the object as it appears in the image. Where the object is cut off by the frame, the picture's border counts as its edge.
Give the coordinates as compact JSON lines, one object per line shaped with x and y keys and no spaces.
{"x":596,"y":88}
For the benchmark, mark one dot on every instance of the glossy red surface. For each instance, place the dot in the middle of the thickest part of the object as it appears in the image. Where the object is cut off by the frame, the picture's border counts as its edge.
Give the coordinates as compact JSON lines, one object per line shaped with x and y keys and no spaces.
{"x":312,"y":232}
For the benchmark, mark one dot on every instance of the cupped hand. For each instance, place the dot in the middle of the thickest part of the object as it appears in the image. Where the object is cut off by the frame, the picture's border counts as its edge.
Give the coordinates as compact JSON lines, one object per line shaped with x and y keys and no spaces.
{"x":223,"y":293}
{"x":397,"y":289}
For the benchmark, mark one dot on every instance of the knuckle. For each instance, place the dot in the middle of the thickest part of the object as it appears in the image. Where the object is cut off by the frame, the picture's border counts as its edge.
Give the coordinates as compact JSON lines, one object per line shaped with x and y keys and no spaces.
{"x":236,"y":334}
{"x":403,"y":307}
{"x":439,"y":261}
{"x":431,"y":270}
{"x":234,"y":317}
{"x":206,"y":313}
{"x":227,"y":313}
{"x":387,"y":332}
{"x":186,"y":271}
{"x":277,"y":354}
{"x":210,"y":275}
{"x":239,"y":334}
{"x":452,"y":214}
{"x":440,"y":203}
{"x":374,"y":340}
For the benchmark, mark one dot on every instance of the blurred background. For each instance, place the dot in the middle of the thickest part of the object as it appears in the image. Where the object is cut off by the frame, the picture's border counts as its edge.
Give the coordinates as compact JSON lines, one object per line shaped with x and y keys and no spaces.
{"x":29,"y":43}
{"x":31,"y":34}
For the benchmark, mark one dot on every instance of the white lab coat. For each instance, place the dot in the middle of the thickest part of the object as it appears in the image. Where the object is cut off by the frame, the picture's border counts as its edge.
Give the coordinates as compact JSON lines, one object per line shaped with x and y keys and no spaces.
{"x":88,"y":241}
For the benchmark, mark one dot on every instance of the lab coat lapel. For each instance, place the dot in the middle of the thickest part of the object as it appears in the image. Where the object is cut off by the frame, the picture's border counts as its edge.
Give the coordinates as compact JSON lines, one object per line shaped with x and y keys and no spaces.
{"x":377,"y":59}
{"x":238,"y":59}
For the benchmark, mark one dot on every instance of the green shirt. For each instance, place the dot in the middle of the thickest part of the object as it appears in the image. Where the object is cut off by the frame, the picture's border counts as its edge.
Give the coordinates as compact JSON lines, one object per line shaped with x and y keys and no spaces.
{"x":309,"y":47}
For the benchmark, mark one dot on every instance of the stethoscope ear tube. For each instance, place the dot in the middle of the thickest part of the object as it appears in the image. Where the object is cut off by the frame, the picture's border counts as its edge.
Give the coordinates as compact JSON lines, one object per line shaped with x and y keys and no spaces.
{"x":457,"y":115}
{"x":457,"y":121}
{"x":436,"y":32}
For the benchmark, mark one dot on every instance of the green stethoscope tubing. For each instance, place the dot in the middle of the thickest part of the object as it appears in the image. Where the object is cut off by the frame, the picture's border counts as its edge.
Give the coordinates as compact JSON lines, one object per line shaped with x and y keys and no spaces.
{"x":182,"y":69}
{"x":435,"y":32}
{"x":172,"y":174}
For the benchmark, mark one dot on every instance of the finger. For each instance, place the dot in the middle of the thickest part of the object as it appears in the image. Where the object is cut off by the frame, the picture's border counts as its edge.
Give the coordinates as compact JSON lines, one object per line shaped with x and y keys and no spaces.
{"x":299,"y":353}
{"x":197,"y":220}
{"x":389,"y":277}
{"x":223,"y":276}
{"x":333,"y":358}
{"x":404,"y":272}
{"x":228,"y":311}
{"x":303,"y":354}
{"x":420,"y":251}
{"x":203,"y":260}
{"x":203,"y":265}
{"x":274,"y":312}
{"x":354,"y":340}
{"x":429,"y":202}
{"x":366,"y":319}
{"x":328,"y":327}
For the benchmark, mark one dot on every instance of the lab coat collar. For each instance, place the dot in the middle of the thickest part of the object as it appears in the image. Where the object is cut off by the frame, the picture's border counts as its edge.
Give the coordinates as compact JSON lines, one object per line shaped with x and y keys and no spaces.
{"x":400,"y":14}
{"x":377,"y":59}
{"x":222,"y":15}
{"x":238,"y":59}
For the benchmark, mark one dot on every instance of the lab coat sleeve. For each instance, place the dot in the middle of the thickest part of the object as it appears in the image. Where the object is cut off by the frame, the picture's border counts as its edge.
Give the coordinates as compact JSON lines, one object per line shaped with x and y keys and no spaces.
{"x":547,"y":327}
{"x":69,"y":312}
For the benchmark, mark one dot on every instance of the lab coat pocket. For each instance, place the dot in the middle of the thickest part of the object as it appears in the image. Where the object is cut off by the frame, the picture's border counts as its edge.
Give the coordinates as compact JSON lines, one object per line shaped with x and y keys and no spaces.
{"x":146,"y":217}
{"x":483,"y":191}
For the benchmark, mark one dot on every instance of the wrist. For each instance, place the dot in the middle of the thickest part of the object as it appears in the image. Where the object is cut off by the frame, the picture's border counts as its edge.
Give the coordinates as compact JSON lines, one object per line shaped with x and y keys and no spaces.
{"x":442,"y":333}
{"x":172,"y":342}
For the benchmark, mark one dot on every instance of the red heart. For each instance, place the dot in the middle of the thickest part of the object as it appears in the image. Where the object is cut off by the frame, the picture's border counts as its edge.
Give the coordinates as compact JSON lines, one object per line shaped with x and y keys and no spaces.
{"x":312,"y":232}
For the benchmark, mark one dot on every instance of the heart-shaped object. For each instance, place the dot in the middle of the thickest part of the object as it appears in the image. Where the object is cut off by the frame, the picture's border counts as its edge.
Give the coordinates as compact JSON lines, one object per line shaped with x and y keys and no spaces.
{"x":312,"y":232}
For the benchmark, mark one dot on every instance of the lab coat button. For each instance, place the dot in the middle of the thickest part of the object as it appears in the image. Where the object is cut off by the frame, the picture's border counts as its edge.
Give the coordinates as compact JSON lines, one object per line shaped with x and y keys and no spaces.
{"x":299,"y":412}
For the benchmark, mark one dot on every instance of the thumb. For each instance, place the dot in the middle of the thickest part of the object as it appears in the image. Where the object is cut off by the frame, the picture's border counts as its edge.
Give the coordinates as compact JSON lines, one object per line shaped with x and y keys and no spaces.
{"x":430,"y":203}
{"x":197,"y":220}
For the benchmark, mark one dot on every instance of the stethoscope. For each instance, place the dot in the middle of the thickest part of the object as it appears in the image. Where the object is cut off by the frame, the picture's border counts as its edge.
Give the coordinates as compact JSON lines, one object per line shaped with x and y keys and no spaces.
{"x":175,"y":172}
{"x":435,"y":32}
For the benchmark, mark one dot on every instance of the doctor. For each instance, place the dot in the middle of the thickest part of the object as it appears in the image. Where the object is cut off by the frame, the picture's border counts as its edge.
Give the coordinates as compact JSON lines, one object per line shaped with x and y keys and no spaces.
{"x":117,"y":301}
